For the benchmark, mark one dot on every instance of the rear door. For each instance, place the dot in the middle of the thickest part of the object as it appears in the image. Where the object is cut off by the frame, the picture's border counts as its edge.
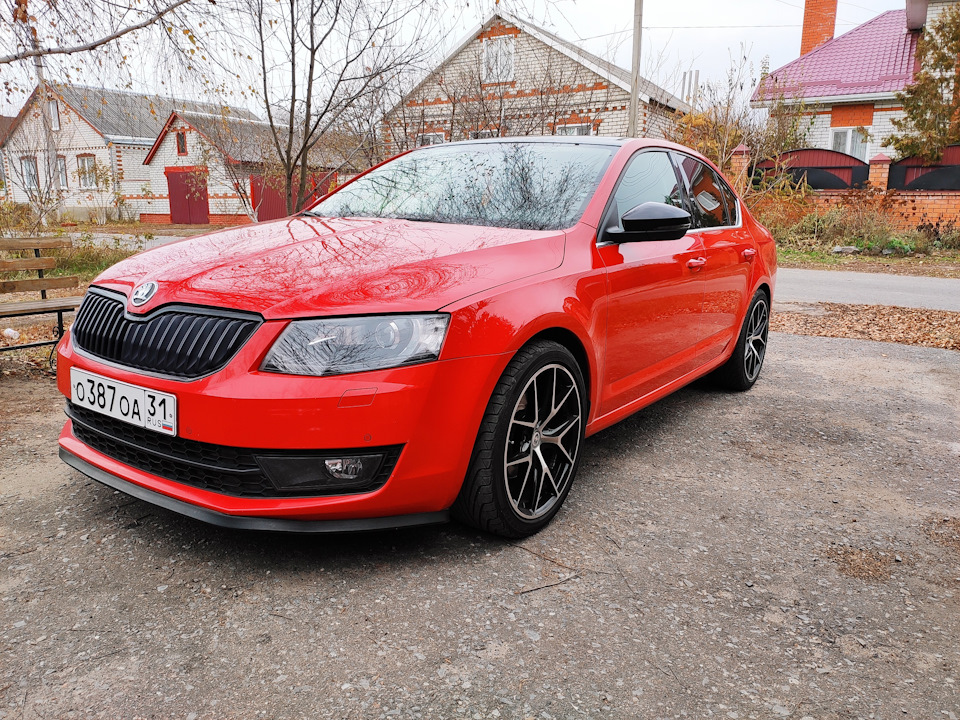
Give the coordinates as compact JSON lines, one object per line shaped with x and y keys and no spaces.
{"x":654,"y":298}
{"x":727,"y":249}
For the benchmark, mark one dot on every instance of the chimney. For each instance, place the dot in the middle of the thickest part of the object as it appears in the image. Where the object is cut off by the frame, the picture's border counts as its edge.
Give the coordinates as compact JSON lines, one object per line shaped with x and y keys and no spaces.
{"x":819,"y":24}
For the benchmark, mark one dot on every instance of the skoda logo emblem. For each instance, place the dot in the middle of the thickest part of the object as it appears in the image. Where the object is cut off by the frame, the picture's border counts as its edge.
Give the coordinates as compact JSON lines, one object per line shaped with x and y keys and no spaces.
{"x":142,"y":293}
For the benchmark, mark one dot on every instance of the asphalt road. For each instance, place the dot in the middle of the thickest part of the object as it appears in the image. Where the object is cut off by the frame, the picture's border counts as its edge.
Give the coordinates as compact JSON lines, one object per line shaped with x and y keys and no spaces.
{"x":706,"y":565}
{"x":815,"y":286}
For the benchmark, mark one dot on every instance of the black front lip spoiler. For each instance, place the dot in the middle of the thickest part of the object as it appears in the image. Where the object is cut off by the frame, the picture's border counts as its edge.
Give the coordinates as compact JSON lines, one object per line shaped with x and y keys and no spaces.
{"x":242,"y":522}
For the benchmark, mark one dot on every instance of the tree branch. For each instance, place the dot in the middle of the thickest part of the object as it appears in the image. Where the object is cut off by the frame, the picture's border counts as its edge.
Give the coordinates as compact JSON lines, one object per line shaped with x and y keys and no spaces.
{"x":37,"y":52}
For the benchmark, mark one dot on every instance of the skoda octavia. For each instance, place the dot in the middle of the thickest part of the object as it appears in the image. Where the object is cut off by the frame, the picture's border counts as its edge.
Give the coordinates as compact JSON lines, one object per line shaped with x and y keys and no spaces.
{"x":436,"y":337}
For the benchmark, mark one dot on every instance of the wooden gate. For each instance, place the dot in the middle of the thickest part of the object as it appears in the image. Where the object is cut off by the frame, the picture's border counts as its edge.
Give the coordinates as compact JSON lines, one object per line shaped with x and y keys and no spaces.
{"x":187,"y":189}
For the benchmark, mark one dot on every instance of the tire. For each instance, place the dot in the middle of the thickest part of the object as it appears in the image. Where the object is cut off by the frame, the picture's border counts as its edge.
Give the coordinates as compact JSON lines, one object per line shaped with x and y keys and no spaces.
{"x":526,"y":454}
{"x":741,"y":371}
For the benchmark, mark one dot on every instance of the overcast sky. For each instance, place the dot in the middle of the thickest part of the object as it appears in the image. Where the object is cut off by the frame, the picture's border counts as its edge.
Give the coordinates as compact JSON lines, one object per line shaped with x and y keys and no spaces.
{"x":679,"y":35}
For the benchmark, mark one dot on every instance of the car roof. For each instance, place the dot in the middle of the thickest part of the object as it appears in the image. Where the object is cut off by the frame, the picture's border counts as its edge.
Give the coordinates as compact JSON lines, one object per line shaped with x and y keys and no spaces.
{"x":554,"y":139}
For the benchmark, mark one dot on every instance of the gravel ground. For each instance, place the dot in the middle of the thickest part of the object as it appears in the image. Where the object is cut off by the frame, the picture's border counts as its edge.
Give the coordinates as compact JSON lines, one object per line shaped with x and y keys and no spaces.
{"x":788,"y":552}
{"x":910,"y":326}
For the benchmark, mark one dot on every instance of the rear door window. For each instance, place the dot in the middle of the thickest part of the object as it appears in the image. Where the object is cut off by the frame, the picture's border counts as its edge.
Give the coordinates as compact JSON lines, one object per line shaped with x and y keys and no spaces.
{"x":706,"y":197}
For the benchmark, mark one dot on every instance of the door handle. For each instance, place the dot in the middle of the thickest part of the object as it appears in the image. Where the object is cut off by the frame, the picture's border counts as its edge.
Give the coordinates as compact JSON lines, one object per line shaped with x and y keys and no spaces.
{"x":696,"y":263}
{"x":749,"y":253}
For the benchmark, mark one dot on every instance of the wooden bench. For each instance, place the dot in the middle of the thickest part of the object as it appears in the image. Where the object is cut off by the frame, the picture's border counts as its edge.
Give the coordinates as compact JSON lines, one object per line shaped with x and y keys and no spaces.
{"x":41,"y":284}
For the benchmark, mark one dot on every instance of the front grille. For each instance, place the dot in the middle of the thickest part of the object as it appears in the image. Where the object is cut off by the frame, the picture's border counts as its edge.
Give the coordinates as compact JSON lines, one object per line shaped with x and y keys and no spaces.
{"x":218,"y":468}
{"x":180,"y":341}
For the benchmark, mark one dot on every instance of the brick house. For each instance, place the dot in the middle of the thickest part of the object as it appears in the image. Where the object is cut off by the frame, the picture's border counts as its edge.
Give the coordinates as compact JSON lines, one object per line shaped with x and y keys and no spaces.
{"x":220,"y":169}
{"x":201,"y":166}
{"x":850,"y":82}
{"x":509,"y":77}
{"x":101,"y":138}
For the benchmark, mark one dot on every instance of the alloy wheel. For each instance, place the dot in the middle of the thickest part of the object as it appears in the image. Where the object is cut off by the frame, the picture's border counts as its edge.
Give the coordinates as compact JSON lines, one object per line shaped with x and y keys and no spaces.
{"x":543,"y":440}
{"x":758,"y":325}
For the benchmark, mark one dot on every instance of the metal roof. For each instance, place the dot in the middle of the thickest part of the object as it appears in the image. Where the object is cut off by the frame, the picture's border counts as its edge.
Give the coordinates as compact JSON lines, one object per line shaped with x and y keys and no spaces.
{"x":876,"y":58}
{"x":132,"y":118}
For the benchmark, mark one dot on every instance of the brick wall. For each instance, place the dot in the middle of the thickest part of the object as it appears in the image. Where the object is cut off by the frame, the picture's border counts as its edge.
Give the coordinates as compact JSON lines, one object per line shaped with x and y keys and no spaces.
{"x":819,"y":24}
{"x":224,"y":201}
{"x":548,"y":90}
{"x":878,"y":122}
{"x":854,"y":115}
{"x":912,"y":208}
{"x":936,"y":7}
{"x":74,"y":138}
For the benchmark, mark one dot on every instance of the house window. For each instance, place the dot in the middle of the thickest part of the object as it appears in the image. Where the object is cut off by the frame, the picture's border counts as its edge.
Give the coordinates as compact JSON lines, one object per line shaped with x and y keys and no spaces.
{"x":62,"y":171}
{"x":54,"y":109}
{"x":483,"y":134}
{"x":28,"y":171}
{"x":87,"y":171}
{"x":430,"y":139}
{"x":181,"y":142}
{"x":498,"y":60}
{"x":571,"y":129}
{"x":849,"y":141}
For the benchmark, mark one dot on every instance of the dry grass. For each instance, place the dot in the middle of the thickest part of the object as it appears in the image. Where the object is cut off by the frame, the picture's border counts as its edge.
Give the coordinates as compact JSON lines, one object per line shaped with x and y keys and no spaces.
{"x":909,"y":326}
{"x":943,"y":531}
{"x":860,"y":563}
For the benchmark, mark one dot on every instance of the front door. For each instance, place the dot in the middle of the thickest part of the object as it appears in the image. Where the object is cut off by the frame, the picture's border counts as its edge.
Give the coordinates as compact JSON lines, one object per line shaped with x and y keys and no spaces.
{"x":654,"y":296}
{"x":187,"y":189}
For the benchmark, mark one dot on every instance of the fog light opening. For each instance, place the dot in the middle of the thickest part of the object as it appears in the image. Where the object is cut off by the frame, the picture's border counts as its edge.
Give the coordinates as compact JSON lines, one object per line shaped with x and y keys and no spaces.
{"x":327,"y":474}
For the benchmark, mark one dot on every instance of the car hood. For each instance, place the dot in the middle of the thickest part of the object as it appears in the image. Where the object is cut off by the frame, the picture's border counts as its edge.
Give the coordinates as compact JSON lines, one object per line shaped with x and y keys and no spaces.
{"x":307,"y":266}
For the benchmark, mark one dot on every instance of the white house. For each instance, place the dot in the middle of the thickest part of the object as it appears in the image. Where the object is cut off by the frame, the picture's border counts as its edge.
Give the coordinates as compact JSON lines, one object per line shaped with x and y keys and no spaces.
{"x":91,"y":159}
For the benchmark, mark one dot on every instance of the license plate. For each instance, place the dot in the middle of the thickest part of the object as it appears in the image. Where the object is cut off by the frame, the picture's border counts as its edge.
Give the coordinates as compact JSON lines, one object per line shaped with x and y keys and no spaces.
{"x":136,"y":405}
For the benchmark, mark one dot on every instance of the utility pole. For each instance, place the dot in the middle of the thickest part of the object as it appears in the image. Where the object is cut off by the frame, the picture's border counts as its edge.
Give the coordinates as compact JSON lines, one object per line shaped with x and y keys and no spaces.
{"x":51,"y":180}
{"x":635,"y":74}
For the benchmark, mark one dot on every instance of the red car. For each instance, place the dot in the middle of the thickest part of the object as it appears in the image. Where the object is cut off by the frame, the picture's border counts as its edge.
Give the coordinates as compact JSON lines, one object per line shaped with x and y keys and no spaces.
{"x":436,"y":337}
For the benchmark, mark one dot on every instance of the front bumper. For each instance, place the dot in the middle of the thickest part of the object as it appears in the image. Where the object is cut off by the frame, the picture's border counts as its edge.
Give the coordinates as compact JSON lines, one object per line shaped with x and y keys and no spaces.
{"x":433,"y":410}
{"x":249,"y":523}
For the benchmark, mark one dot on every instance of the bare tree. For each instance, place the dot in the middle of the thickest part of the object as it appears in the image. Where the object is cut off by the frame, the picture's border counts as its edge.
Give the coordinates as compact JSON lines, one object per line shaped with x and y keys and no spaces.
{"x":317,"y":60}
{"x":69,"y":27}
{"x":723,"y":118}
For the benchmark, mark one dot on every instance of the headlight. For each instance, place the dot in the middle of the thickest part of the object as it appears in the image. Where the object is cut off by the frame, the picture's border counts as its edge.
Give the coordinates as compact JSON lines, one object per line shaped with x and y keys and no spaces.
{"x":335,"y":346}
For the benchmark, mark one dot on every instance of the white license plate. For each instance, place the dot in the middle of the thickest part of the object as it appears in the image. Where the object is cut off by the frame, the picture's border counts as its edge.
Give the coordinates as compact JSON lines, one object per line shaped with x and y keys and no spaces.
{"x":136,"y":405}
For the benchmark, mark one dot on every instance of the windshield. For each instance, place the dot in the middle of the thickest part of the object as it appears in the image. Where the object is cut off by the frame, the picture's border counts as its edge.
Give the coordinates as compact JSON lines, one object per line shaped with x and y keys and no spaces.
{"x":533,"y":186}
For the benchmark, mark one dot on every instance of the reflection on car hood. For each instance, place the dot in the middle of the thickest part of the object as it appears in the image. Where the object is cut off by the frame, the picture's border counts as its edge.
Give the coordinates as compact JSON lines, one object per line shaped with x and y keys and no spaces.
{"x":307,"y":266}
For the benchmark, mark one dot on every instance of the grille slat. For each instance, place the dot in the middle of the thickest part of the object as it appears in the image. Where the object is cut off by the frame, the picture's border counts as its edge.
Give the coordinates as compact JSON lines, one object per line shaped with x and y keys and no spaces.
{"x":183,"y":342}
{"x":218,"y":468}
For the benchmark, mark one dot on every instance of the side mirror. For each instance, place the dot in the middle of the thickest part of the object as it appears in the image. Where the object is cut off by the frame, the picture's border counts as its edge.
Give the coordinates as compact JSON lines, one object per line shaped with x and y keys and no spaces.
{"x":652,"y":221}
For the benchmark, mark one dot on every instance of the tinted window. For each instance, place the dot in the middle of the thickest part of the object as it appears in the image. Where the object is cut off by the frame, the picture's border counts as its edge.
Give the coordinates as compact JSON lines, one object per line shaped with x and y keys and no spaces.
{"x":649,"y":177}
{"x":707,"y":202}
{"x":534,"y":186}
{"x":733,"y":210}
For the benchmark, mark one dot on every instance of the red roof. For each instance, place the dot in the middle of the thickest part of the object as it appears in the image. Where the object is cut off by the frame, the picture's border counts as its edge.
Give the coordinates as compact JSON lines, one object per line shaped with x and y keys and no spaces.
{"x":876,"y":57}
